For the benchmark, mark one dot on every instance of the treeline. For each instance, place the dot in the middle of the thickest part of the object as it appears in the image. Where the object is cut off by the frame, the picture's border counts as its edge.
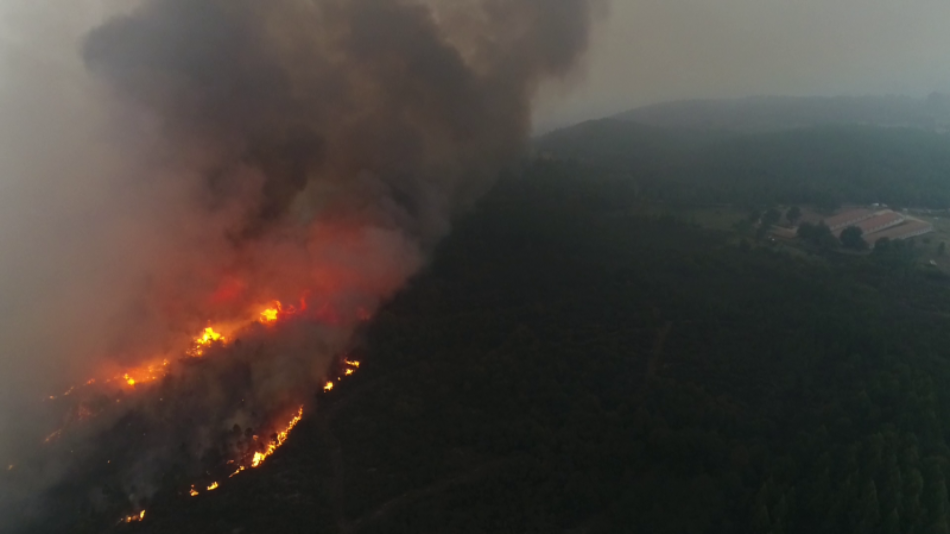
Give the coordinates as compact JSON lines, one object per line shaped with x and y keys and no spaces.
{"x":821,"y":166}
{"x":568,"y":365}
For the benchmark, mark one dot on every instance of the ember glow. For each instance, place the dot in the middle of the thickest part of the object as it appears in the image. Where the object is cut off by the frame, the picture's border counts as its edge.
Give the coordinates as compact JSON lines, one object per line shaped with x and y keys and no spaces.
{"x":261,"y":456}
{"x":136,"y":517}
{"x":207,"y":339}
{"x":269,"y":315}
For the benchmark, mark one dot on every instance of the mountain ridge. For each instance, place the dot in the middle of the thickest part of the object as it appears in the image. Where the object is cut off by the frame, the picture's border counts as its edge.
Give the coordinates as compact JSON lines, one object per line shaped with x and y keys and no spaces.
{"x":769,"y":113}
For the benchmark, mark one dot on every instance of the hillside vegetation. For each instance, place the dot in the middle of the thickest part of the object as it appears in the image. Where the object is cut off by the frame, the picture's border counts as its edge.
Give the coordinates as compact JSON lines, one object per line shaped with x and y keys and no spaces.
{"x":772,"y":113}
{"x":825,"y":166}
{"x":570,"y":364}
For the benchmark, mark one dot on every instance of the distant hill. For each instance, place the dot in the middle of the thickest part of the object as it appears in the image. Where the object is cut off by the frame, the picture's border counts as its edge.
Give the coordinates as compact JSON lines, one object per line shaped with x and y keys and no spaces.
{"x":770,"y":113}
{"x":822,"y":165}
{"x":626,"y":144}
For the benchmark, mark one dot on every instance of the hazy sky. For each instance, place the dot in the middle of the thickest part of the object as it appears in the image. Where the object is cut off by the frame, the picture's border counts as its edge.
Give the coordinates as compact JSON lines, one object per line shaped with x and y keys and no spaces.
{"x":648,"y":51}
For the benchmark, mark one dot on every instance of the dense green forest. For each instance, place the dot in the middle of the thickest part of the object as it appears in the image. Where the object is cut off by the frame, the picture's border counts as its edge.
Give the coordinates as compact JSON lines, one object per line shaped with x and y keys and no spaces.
{"x":568,"y":363}
{"x":824,"y":166}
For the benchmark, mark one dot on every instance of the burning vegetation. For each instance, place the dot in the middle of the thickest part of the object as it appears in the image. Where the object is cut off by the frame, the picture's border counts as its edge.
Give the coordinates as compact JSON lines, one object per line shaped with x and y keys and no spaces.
{"x":243,"y":449}
{"x":311,"y":153}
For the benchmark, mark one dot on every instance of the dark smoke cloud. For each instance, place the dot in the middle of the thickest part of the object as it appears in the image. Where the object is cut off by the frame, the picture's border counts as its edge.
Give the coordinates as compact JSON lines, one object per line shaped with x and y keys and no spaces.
{"x":246,"y":151}
{"x":425,"y":100}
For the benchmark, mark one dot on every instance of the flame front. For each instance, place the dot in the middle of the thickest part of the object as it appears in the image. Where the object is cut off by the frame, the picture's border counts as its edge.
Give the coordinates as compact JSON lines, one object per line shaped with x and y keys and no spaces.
{"x":208,"y":338}
{"x":136,"y":517}
{"x":259,"y":457}
{"x":270,"y":315}
{"x":133,"y":380}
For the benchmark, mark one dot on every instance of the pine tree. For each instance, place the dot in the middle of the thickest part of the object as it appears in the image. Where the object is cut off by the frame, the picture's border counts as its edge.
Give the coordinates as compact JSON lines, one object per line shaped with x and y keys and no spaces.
{"x":892,"y":524}
{"x":913,"y":486}
{"x":938,"y":507}
{"x":870,"y":512}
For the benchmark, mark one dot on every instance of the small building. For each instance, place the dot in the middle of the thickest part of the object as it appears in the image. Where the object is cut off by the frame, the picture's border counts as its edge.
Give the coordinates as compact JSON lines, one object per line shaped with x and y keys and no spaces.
{"x":911,"y":228}
{"x":848,"y":218}
{"x":881,"y":221}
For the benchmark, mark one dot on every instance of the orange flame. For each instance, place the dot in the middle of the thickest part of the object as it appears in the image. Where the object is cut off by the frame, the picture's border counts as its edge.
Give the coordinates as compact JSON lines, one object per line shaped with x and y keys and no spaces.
{"x":136,"y":517}
{"x":206,"y":339}
{"x":53,"y":436}
{"x":259,"y":457}
{"x":271,"y":314}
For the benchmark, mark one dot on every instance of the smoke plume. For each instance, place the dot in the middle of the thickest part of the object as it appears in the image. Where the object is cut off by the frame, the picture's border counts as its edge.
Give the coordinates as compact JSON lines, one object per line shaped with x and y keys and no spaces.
{"x":232,"y":153}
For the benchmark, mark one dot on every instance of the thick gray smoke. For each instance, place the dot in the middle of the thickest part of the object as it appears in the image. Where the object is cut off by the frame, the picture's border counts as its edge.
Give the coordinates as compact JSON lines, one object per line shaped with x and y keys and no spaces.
{"x":246,"y":152}
{"x":404,"y":107}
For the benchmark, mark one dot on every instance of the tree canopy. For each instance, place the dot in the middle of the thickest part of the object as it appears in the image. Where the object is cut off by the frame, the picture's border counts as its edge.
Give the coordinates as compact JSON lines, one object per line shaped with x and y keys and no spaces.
{"x":851,"y":237}
{"x":568,"y":362}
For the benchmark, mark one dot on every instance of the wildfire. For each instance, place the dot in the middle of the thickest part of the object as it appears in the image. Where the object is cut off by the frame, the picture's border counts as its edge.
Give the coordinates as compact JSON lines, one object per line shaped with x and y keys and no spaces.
{"x":11,"y":467}
{"x":136,"y":517}
{"x":276,"y":311}
{"x":209,"y":337}
{"x":270,"y":314}
{"x":206,"y":339}
{"x":259,"y":457}
{"x":139,"y":375}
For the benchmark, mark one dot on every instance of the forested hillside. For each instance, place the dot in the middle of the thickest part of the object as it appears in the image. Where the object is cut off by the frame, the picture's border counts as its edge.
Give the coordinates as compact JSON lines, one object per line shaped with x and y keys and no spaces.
{"x":826,"y":166}
{"x":773,"y":113}
{"x":570,"y":364}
